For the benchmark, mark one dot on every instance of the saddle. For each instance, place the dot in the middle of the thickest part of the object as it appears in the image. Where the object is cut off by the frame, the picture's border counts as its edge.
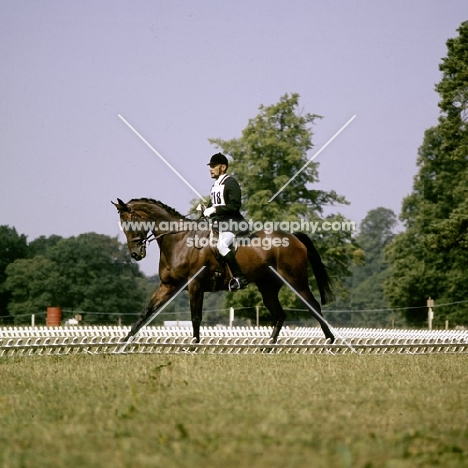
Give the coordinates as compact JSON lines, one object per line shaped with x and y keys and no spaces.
{"x":222,"y":274}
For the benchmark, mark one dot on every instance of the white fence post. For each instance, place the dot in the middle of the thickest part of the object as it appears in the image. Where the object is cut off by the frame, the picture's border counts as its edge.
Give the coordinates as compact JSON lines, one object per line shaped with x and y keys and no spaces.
{"x":430,"y":313}
{"x":231,"y":316}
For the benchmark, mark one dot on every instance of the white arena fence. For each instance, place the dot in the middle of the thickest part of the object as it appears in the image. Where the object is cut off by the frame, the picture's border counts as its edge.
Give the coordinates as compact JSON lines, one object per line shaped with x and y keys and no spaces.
{"x":44,"y":341}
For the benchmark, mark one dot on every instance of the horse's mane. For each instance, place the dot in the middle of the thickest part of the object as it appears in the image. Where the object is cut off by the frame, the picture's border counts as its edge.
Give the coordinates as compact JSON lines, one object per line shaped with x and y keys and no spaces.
{"x":159,"y":203}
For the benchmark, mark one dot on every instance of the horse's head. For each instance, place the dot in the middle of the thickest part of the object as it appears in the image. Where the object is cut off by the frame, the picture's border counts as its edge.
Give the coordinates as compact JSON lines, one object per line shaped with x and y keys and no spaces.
{"x":135,"y":228}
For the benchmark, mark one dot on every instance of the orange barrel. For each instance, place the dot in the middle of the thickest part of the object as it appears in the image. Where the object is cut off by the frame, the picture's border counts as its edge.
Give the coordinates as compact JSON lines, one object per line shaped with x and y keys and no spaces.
{"x":54,"y":316}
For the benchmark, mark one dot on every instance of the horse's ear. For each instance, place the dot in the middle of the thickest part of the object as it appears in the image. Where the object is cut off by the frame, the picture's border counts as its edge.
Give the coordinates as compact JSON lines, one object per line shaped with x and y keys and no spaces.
{"x":121,"y":206}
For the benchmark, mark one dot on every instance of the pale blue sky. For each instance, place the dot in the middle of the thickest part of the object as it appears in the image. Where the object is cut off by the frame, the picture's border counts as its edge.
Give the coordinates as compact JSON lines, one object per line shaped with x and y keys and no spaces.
{"x":185,"y":71}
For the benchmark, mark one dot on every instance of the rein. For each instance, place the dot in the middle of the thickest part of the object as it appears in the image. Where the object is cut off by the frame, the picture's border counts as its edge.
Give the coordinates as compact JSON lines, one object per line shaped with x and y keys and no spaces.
{"x":151,"y":237}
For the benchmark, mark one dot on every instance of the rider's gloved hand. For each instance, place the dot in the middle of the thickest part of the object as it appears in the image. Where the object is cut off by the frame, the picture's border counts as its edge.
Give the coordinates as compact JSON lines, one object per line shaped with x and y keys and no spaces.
{"x":209,"y":211}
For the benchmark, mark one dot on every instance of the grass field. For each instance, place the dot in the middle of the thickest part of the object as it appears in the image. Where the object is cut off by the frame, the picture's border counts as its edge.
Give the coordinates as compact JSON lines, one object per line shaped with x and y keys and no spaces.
{"x":234,"y":411}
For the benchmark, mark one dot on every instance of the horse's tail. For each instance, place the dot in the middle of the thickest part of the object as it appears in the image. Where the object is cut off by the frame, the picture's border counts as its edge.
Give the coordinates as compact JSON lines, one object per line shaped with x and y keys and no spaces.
{"x":324,"y":282}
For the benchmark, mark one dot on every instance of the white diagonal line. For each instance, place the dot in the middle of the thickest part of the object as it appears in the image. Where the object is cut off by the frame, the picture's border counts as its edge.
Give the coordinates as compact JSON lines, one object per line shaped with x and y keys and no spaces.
{"x":166,"y":304}
{"x":312,"y":158}
{"x":312,"y":308}
{"x":174,"y":296}
{"x":160,"y":157}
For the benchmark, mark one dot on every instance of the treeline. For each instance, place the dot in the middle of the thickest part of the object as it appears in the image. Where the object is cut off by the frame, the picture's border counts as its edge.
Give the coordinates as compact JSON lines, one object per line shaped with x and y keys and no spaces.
{"x":91,"y":275}
{"x":376,"y":269}
{"x":429,"y":257}
{"x":382,"y":278}
{"x":87,"y":273}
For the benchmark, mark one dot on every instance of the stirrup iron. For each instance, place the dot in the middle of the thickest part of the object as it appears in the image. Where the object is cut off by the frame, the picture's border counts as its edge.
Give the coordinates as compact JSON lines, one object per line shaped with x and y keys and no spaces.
{"x":235,"y":284}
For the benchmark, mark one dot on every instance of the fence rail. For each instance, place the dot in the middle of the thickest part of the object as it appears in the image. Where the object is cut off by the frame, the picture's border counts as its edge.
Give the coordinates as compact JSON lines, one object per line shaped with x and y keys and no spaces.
{"x":41,"y":341}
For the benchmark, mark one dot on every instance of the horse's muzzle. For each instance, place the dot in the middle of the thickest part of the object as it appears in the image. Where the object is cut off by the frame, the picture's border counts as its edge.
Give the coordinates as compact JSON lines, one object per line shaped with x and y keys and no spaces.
{"x":139,"y":255}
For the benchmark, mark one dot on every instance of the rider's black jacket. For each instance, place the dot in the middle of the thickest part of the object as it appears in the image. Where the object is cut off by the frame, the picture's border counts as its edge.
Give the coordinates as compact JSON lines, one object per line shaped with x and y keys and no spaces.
{"x":226,"y":197}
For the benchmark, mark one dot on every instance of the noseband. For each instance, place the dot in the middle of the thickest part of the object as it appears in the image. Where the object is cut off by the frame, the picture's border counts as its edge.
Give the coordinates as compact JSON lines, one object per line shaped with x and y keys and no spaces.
{"x":140,"y":239}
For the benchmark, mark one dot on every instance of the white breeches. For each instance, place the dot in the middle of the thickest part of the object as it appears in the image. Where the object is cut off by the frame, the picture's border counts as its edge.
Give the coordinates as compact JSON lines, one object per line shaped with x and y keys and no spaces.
{"x":224,"y":241}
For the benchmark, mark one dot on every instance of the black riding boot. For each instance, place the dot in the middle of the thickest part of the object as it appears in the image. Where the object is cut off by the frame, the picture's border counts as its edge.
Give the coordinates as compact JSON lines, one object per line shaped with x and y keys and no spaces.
{"x":238,"y":281}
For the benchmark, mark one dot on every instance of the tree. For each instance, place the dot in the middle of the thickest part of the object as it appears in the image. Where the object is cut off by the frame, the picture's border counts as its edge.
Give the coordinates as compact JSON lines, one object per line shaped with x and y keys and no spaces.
{"x":12,"y":246}
{"x":375,"y":232}
{"x":429,"y":259}
{"x":272,"y":149}
{"x":366,"y":284}
{"x":90,"y":274}
{"x":40,"y":245}
{"x":35,"y":284}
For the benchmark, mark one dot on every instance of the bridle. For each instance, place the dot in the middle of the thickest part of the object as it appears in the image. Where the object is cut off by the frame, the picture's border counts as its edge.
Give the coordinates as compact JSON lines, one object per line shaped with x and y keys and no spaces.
{"x":141,"y":241}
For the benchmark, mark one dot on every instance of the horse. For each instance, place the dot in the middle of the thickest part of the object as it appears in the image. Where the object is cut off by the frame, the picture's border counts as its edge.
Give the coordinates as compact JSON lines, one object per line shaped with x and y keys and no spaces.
{"x":183,"y":263}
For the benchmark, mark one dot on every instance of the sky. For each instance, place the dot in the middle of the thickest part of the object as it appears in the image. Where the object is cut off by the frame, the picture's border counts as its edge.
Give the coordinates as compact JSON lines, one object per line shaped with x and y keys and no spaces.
{"x":181,"y":72}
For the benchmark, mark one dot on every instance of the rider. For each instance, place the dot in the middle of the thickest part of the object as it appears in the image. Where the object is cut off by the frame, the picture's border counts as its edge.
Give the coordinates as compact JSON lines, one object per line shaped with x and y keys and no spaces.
{"x":224,"y":205}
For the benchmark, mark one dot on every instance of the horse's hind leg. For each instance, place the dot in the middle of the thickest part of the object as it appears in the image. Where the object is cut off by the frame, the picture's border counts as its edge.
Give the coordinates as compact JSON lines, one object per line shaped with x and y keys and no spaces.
{"x":270,"y":299}
{"x":316,"y":311}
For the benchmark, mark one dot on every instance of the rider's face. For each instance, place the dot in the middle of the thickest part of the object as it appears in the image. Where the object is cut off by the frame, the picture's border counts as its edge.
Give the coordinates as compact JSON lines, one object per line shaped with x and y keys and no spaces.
{"x":218,"y":170}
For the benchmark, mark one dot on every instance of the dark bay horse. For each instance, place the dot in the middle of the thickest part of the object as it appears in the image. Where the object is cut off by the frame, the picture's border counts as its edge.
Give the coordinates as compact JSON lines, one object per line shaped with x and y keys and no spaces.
{"x":181,"y":259}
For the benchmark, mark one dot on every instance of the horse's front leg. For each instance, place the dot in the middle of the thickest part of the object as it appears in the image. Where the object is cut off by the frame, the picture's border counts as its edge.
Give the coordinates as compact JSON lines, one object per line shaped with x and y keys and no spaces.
{"x":196,"y":307}
{"x":159,"y":298}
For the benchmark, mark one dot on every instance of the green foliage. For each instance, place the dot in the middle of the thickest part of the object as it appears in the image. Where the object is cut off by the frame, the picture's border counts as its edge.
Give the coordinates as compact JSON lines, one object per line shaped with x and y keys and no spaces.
{"x":35,"y":284}
{"x":89,"y":273}
{"x":273,"y":148}
{"x":12,"y":246}
{"x":364,"y":290}
{"x":40,"y":245}
{"x":430,"y":258}
{"x":453,"y":86}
